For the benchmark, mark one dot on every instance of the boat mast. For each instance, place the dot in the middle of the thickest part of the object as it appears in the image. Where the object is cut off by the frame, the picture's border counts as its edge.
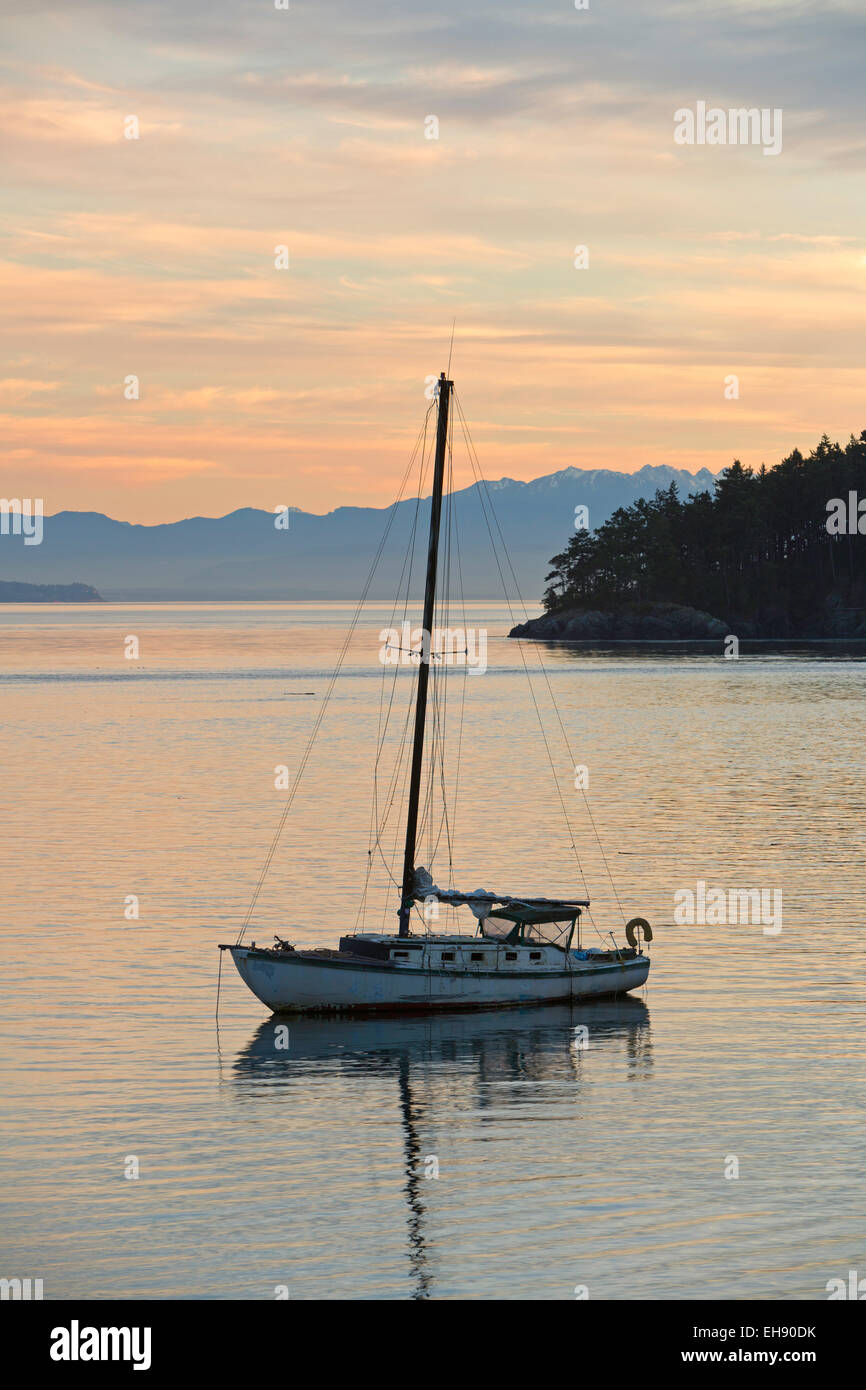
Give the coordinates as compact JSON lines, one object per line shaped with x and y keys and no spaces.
{"x":408,"y":887}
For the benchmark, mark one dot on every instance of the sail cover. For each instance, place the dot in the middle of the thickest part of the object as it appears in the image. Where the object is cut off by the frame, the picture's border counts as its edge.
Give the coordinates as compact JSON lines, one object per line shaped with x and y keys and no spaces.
{"x":514,"y":909}
{"x":521,"y":912}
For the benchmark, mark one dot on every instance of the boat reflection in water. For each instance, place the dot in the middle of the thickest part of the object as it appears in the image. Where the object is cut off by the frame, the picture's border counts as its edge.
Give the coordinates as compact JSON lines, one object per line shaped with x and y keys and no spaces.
{"x":500,"y":1053}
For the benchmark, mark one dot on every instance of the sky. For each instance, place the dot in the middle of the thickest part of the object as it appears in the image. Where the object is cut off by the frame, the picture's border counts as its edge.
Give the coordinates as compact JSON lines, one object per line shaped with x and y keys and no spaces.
{"x":309,"y":128}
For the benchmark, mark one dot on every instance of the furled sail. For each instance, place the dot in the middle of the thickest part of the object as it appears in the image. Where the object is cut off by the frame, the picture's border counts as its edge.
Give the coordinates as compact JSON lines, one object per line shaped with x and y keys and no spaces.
{"x":484,"y":903}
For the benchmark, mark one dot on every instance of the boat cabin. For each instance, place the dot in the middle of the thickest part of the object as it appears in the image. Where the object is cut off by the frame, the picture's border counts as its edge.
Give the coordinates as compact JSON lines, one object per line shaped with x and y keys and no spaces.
{"x":521,"y":925}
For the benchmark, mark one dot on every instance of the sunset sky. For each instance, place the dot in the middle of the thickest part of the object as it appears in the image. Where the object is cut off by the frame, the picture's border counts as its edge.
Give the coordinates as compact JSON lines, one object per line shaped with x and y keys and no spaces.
{"x":306,"y":128}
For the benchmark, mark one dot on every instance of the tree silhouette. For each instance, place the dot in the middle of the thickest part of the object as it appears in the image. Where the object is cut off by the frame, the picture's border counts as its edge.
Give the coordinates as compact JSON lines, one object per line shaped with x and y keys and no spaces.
{"x":758,"y":552}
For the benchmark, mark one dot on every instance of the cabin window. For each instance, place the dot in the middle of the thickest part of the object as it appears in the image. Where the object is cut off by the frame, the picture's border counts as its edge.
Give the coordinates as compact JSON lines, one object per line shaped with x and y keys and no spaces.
{"x":447,"y":955}
{"x":511,"y":955}
{"x":546,"y":933}
{"x":403,"y":955}
{"x":535,"y":955}
{"x":477,"y":955}
{"x":491,"y":926}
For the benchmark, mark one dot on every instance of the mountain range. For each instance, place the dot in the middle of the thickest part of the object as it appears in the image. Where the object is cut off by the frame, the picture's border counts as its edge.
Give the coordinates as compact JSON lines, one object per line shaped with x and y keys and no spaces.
{"x":245,"y":556}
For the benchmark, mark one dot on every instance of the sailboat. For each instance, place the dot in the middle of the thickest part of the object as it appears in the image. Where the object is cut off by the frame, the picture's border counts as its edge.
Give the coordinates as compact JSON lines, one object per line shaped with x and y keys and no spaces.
{"x":525,"y":950}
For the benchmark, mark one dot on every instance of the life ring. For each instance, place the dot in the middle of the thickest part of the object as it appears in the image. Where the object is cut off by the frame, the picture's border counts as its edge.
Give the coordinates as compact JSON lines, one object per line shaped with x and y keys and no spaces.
{"x":634,"y":926}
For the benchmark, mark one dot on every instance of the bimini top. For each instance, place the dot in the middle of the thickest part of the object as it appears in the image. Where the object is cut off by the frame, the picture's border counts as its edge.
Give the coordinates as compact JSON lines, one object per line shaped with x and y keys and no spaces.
{"x":513,"y":909}
{"x":535,"y":910}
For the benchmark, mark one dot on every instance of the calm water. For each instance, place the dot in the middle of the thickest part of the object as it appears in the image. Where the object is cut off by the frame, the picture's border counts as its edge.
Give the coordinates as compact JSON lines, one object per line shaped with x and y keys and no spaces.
{"x":559,"y":1166}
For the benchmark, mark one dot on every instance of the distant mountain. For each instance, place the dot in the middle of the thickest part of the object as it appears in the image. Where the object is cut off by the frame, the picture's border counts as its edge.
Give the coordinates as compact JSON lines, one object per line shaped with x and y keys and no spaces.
{"x":244,"y":556}
{"x":11,"y":591}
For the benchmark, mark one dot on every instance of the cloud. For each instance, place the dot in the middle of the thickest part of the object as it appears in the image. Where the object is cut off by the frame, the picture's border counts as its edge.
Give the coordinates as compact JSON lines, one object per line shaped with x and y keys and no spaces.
{"x":13,"y":388}
{"x":307,"y":128}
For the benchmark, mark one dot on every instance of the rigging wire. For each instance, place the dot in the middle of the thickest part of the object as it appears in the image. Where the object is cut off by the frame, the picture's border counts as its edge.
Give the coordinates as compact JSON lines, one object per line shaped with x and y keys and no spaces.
{"x":446,"y":823}
{"x":402,"y":763}
{"x":439,"y":687}
{"x":465,"y":669}
{"x":440,"y":675}
{"x":482,"y":481}
{"x":408,"y":563}
{"x":332,"y":682}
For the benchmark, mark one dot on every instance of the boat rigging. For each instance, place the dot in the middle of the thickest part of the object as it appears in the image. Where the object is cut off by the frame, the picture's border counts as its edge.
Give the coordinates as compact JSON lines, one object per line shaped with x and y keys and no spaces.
{"x":526,"y":949}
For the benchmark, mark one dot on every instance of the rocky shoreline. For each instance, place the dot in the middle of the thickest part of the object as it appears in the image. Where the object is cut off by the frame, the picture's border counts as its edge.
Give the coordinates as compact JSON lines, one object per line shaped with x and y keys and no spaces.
{"x":672,"y":622}
{"x":644,"y":622}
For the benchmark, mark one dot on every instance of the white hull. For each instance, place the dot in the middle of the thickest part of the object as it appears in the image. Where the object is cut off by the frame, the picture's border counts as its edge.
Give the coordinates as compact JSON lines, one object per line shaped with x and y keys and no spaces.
{"x":308,"y":983}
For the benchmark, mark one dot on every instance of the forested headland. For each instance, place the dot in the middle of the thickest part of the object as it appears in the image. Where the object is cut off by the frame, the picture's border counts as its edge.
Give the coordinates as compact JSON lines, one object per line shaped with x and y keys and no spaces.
{"x":778,"y":552}
{"x":15,"y":591}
